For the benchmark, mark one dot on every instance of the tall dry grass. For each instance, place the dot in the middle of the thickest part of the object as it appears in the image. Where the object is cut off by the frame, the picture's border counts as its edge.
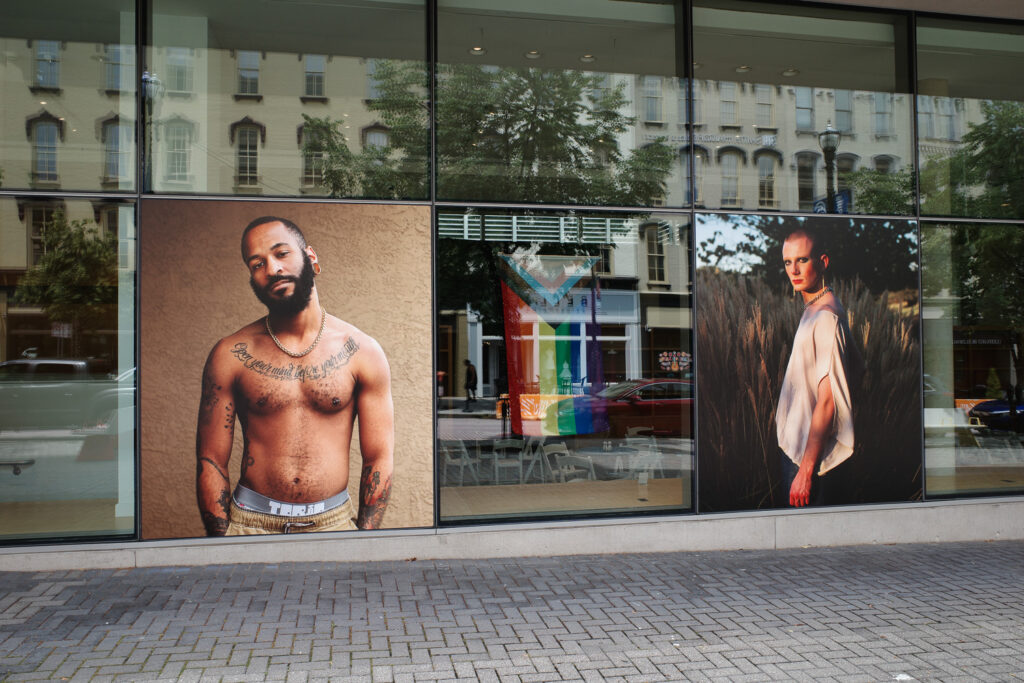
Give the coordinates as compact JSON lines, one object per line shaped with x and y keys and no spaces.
{"x":744,"y":334}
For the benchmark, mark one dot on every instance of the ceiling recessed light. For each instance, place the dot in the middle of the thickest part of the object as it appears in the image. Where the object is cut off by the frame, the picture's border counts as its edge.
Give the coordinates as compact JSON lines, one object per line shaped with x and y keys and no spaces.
{"x":742,"y":69}
{"x":42,"y":102}
{"x":789,"y":72}
{"x":477,"y":51}
{"x":532,"y":54}
{"x":587,"y":59}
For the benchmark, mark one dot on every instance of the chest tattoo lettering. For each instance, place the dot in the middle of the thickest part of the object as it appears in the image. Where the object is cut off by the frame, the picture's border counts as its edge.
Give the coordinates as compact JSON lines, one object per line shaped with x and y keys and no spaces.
{"x":293,"y":372}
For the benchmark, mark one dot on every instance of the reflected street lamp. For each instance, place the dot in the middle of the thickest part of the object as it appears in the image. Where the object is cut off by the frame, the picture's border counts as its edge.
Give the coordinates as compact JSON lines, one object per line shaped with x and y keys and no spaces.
{"x":152,"y":88}
{"x":829,"y":140}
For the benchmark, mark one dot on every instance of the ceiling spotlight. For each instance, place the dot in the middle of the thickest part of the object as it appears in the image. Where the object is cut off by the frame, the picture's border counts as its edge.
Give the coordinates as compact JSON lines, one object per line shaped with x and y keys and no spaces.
{"x":477,"y":51}
{"x":532,"y":54}
{"x":587,"y":59}
{"x":742,"y":69}
{"x":789,"y":72}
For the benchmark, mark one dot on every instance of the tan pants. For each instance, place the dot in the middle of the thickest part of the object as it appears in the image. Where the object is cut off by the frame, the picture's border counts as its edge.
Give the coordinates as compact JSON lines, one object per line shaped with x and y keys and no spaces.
{"x":248,"y":523}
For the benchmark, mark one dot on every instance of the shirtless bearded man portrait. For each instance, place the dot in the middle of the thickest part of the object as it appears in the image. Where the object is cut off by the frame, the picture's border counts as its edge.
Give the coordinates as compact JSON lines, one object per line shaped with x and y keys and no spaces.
{"x":296,"y":380}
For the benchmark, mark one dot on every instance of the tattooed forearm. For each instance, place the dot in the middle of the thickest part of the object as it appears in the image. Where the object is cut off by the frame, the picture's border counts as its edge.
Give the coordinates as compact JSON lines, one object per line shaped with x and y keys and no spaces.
{"x":373,"y":498}
{"x":292,"y":372}
{"x":215,"y":526}
{"x":216,"y":468}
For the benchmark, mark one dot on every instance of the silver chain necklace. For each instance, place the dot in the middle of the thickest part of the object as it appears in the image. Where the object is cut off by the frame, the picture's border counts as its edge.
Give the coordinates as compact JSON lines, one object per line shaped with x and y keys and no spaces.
{"x":809,"y":303}
{"x":300,"y":354}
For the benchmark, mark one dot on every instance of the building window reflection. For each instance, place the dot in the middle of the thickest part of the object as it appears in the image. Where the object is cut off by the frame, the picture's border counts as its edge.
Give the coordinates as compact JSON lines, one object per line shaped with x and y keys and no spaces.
{"x":314,"y":81}
{"x":47,"y":63}
{"x":882,"y":112}
{"x":119,"y":66}
{"x":806,"y":172}
{"x":118,"y":138}
{"x":248,"y":72}
{"x":727,"y":115}
{"x":805,"y":108}
{"x":652,"y":99}
{"x":180,"y":69}
{"x":44,"y":150}
{"x":247,"y":155}
{"x":844,"y":111}
{"x":655,"y":254}
{"x":766,"y":198}
{"x":178,"y":136}
{"x":730,"y":165}
{"x":764,"y":97}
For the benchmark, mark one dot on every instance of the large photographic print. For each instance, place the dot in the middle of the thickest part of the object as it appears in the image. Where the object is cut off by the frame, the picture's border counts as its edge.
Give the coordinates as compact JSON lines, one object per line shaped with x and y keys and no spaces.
{"x":809,"y":354}
{"x":275,"y":395}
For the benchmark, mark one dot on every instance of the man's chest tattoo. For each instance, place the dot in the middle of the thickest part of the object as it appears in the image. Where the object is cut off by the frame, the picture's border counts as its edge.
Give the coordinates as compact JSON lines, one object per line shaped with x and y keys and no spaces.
{"x":295,"y":372}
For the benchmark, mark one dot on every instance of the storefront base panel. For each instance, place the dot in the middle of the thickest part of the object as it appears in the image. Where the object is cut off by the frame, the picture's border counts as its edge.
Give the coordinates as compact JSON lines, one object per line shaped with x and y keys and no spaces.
{"x":931,"y":522}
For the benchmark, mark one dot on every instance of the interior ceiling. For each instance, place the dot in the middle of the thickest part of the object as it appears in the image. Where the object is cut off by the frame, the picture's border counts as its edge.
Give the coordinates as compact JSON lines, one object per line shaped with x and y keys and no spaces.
{"x":616,"y":46}
{"x":827,"y":48}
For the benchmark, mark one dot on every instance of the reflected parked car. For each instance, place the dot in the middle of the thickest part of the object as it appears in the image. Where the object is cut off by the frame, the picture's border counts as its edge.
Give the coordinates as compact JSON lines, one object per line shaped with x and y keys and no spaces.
{"x":60,"y":393}
{"x":661,"y":407}
{"x":996,"y":414}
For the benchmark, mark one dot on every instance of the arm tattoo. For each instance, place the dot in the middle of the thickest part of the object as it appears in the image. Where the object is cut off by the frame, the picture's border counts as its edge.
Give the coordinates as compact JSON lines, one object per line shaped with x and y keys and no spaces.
{"x":373,"y":498}
{"x":292,"y":372}
{"x":215,"y":526}
{"x":216,"y":468}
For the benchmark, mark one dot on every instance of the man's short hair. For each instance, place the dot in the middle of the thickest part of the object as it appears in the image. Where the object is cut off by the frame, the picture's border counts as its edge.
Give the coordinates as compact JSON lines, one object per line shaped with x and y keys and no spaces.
{"x":816,"y":238}
{"x":292,"y":228}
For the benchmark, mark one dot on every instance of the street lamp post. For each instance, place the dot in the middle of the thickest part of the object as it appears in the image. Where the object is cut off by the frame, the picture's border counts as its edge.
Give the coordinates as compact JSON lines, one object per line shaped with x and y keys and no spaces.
{"x":829,"y":140}
{"x":152,"y":88}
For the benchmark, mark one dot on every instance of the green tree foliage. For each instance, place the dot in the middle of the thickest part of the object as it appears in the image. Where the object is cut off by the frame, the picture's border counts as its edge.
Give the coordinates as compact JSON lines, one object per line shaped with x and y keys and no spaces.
{"x":503,"y":134}
{"x":884,"y":194}
{"x":985,"y":177}
{"x":76,"y":278}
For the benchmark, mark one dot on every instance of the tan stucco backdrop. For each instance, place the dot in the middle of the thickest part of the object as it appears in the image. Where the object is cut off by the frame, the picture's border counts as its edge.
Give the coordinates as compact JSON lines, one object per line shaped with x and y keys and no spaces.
{"x":194,"y":289}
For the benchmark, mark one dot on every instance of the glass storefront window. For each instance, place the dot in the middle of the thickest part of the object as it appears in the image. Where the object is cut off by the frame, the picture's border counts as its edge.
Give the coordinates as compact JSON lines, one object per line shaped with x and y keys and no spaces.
{"x":970,"y":112}
{"x":276,"y":99}
{"x":974,"y":335}
{"x":784,"y":75}
{"x":67,"y":84}
{"x":67,"y":368}
{"x":546,"y":104}
{"x":565,"y":375}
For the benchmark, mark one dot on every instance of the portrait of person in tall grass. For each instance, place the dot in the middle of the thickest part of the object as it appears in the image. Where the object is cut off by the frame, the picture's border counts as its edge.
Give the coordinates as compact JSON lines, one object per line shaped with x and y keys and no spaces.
{"x":749,"y":306}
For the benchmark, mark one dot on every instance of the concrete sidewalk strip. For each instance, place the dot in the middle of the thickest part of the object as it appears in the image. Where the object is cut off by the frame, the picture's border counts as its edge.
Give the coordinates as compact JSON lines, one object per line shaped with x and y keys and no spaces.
{"x":942,"y":612}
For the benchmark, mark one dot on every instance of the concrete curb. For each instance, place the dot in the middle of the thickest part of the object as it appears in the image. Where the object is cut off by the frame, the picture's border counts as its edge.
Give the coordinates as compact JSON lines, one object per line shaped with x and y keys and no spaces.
{"x":930,"y":522}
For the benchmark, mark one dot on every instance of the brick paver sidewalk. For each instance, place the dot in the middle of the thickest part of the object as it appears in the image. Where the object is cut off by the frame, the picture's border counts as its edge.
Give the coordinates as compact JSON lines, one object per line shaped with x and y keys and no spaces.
{"x":918,"y":612}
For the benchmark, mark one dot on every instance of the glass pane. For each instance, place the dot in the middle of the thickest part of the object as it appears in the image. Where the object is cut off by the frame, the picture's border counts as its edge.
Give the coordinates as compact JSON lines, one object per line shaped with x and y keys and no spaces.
{"x":67,"y":368}
{"x":782,"y":77}
{"x":299,"y":74}
{"x":790,"y":307}
{"x":68,"y":76}
{"x":973,"y":335}
{"x":549,"y":105}
{"x":971,"y":110}
{"x":564,"y":364}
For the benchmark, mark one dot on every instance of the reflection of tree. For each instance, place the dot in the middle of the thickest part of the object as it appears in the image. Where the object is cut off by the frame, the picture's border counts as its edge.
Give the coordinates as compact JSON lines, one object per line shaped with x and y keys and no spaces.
{"x":75,"y":280}
{"x":881,"y":254}
{"x":503,"y":134}
{"x":883,"y":194}
{"x":985,"y":177}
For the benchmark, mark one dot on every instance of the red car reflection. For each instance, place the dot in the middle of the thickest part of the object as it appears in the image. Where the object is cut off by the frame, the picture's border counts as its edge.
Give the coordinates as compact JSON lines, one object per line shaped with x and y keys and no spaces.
{"x":662,"y":407}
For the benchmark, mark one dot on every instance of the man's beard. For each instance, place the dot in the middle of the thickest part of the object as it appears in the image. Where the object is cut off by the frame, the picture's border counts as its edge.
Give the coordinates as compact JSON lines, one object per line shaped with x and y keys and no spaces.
{"x":302,"y":291}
